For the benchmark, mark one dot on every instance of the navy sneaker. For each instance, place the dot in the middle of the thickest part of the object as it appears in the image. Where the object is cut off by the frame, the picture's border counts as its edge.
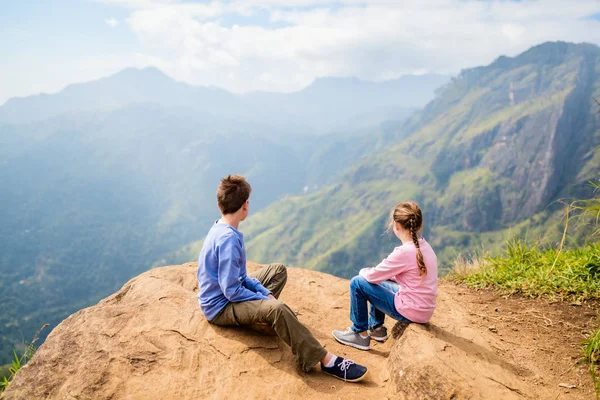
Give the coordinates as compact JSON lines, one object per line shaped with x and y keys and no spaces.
{"x":346,"y":370}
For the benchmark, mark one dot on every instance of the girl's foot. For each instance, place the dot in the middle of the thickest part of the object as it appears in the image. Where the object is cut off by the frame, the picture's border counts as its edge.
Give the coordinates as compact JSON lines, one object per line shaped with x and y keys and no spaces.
{"x":379,"y":334}
{"x":346,"y":370}
{"x":351,"y":338}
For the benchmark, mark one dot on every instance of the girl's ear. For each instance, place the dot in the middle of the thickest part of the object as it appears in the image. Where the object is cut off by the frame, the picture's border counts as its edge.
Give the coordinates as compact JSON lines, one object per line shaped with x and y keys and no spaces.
{"x":397,"y":225}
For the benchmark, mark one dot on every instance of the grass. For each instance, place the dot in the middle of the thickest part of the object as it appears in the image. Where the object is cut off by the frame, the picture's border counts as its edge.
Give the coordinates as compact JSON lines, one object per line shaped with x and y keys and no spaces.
{"x":591,"y":355}
{"x":4,"y":372}
{"x":18,"y":362}
{"x":569,"y":275}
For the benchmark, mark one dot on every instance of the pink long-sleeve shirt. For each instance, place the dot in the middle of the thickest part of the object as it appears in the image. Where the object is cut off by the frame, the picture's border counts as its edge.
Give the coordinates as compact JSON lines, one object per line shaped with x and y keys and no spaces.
{"x":416,"y":298}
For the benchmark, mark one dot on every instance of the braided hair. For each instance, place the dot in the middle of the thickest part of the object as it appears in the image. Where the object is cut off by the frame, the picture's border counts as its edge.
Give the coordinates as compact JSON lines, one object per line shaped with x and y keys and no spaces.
{"x":409,"y":216}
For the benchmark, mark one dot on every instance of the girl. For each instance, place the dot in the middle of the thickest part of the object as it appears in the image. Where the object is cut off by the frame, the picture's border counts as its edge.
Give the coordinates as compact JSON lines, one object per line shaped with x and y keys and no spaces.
{"x":403,"y":286}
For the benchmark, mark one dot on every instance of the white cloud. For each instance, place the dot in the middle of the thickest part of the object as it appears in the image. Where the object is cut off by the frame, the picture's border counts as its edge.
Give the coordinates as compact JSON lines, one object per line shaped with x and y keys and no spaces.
{"x":374,"y":39}
{"x":112,"y":22}
{"x":275,"y":45}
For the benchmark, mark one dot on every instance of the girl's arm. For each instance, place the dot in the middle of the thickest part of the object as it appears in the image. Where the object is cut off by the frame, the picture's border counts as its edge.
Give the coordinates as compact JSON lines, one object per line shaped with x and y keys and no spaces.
{"x":388,"y":268}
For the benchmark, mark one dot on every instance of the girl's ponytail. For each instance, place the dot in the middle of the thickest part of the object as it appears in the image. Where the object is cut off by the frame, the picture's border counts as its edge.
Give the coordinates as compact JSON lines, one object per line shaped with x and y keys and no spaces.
{"x":420,"y":261}
{"x":409,"y":216}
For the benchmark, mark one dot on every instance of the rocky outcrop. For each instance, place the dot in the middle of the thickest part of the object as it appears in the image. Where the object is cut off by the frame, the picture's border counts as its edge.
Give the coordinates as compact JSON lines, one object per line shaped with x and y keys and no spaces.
{"x":150,"y":341}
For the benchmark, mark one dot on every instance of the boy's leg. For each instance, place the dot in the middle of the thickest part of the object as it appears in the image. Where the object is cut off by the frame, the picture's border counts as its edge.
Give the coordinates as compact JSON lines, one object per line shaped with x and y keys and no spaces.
{"x":272,"y":277}
{"x":305,"y":348}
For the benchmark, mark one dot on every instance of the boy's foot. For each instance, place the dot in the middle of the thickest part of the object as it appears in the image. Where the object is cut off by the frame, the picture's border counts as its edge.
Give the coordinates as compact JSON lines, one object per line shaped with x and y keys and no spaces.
{"x":380,"y":333}
{"x":351,"y":338}
{"x":346,"y":370}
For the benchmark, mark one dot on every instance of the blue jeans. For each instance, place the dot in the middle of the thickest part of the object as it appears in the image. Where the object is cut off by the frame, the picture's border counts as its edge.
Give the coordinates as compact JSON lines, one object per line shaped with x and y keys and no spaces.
{"x":381,"y":296}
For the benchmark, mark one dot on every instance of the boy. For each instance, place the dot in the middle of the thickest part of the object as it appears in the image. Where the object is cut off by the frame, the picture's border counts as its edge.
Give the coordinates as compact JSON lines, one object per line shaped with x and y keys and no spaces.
{"x":229,"y":297}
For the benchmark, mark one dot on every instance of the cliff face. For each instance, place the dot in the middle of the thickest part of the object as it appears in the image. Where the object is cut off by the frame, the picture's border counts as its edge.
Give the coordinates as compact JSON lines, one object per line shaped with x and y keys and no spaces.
{"x":150,"y":341}
{"x":522,"y":130}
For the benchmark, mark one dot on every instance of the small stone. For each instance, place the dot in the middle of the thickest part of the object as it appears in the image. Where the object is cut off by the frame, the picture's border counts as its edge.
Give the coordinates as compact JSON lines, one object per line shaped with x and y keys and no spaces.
{"x":566,"y":386}
{"x":493,"y":329}
{"x":497,"y":310}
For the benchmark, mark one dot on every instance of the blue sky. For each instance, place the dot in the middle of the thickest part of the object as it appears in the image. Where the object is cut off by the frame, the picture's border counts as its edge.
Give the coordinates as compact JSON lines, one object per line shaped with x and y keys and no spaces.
{"x":277,"y":45}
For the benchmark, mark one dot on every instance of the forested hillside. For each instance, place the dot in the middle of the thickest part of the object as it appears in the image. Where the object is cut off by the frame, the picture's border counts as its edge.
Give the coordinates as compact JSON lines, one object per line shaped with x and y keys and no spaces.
{"x":486,"y":159}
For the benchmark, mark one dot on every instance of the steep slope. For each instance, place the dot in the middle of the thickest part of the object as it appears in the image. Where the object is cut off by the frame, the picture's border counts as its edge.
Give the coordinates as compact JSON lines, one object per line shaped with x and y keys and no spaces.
{"x":495,"y":148}
{"x":150,"y":341}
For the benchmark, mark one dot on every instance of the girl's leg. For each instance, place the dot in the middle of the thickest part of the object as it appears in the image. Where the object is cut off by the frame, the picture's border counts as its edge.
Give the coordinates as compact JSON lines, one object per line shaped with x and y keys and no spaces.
{"x":380,"y":296}
{"x":381,"y":299}
{"x":358,"y":306}
{"x":376,"y":316}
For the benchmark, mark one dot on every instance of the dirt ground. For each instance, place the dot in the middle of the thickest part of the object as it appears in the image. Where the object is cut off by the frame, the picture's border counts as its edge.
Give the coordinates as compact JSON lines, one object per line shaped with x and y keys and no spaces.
{"x":149,"y":341}
{"x":540,"y":335}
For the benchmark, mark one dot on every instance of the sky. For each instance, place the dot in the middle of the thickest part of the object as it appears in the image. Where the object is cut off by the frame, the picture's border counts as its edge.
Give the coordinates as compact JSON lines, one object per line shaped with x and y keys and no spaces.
{"x":271,"y":45}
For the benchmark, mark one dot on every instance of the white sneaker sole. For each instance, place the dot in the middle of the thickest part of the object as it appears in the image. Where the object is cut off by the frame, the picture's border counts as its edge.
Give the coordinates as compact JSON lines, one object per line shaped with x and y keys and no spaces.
{"x":360,"y":378}
{"x":356,"y":346}
{"x":380,"y":339}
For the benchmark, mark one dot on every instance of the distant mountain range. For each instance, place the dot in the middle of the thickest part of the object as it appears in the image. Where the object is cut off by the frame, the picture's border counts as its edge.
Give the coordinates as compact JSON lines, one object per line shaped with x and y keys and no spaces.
{"x":103,"y":179}
{"x":329,"y":104}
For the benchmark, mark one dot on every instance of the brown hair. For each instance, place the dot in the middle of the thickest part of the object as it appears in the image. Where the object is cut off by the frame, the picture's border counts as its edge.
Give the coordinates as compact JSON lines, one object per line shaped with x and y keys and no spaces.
{"x":232,"y":193}
{"x":409,"y":216}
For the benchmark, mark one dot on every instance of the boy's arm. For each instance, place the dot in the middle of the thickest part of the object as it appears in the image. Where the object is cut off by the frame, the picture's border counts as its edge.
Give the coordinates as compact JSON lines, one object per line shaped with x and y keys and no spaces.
{"x":255,"y":285}
{"x":229,"y":273}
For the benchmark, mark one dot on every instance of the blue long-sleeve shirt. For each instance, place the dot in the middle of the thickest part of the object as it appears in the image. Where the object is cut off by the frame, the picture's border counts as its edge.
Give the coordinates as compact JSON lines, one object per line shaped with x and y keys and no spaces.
{"x":222,"y":271}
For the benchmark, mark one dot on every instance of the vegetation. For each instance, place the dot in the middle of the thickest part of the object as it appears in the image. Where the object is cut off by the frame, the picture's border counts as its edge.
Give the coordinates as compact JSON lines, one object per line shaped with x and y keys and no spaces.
{"x":570,"y":275}
{"x":8,"y":372}
{"x":591,"y":355}
{"x":475,"y":159}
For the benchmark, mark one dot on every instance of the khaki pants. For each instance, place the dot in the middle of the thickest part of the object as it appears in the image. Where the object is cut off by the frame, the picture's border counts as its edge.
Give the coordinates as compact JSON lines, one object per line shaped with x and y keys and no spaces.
{"x":305,"y":348}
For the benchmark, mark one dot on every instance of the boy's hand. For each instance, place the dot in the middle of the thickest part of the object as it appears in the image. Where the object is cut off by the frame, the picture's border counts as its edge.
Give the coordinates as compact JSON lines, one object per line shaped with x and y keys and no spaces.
{"x":271,"y":297}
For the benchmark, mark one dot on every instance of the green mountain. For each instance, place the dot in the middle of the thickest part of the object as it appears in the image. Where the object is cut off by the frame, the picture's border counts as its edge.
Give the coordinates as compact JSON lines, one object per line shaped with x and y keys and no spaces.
{"x":488,"y":157}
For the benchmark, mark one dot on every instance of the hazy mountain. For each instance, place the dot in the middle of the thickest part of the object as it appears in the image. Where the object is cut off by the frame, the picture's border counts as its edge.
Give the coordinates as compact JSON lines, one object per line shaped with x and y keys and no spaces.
{"x":328,"y":104}
{"x":89,"y":202}
{"x":104,"y":178}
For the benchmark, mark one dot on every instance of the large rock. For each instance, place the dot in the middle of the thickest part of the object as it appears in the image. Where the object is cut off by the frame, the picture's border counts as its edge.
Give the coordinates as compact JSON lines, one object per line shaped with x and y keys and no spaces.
{"x":150,"y":341}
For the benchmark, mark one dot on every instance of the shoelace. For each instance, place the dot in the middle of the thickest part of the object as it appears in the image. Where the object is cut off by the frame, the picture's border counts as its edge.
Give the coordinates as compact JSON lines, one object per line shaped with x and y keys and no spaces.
{"x":349,"y":330}
{"x":344,"y":365}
